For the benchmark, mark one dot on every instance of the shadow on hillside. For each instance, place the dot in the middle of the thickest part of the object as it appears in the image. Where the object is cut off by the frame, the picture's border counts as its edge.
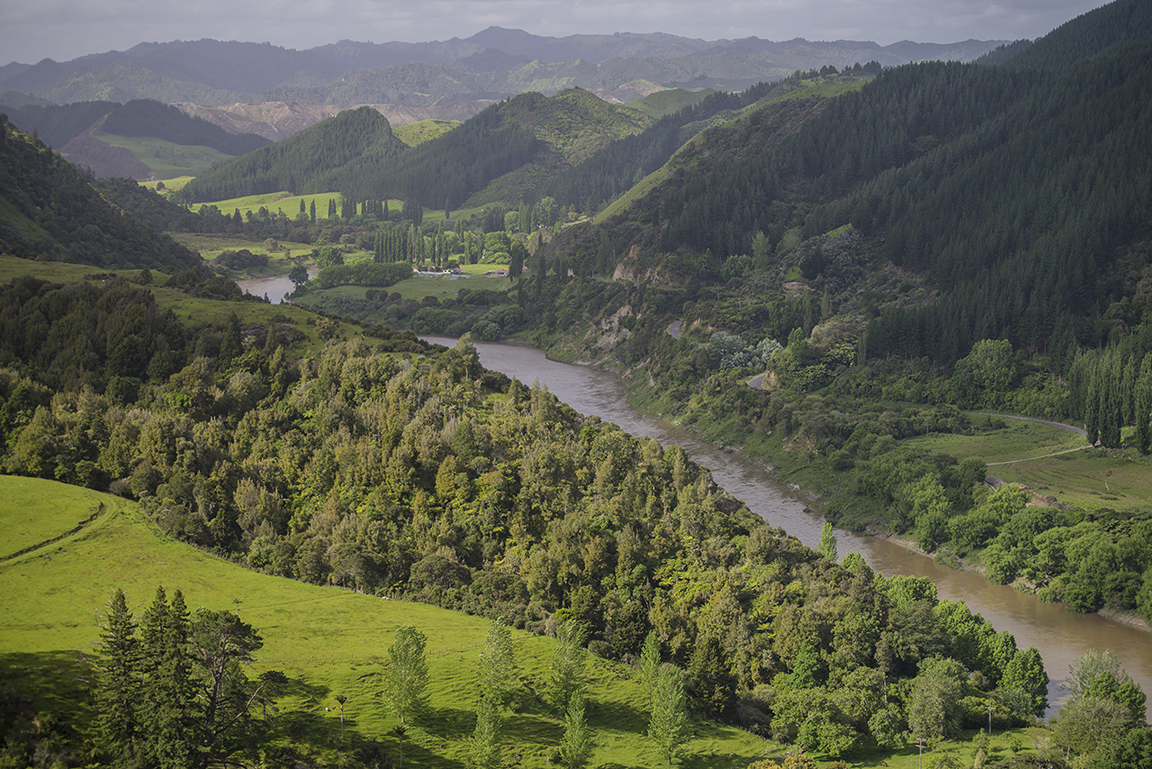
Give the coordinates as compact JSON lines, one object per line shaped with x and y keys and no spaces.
{"x":55,"y":681}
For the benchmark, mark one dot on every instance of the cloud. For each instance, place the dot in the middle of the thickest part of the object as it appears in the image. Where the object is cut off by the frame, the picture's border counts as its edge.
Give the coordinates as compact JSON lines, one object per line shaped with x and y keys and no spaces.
{"x":65,"y":29}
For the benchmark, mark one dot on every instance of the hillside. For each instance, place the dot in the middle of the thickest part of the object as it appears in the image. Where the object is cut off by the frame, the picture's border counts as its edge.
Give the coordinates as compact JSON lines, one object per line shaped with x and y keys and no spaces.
{"x":326,"y":641}
{"x":493,"y":64}
{"x":139,"y":140}
{"x":312,"y":160}
{"x":49,"y":211}
{"x":499,"y":155}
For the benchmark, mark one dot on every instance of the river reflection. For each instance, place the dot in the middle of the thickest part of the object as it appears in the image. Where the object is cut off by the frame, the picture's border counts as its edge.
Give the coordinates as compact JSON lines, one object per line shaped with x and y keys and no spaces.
{"x":1059,"y":635}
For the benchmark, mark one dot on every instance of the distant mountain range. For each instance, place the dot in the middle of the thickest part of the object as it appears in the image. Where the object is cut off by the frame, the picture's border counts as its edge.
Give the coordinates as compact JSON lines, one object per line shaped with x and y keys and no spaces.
{"x":494,"y":64}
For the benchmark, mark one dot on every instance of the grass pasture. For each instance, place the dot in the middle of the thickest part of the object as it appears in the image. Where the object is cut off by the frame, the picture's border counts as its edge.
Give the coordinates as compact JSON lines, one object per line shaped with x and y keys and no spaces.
{"x":415,"y":288}
{"x":210,"y":246}
{"x":415,"y":134}
{"x":167,"y":160}
{"x":1052,"y":462}
{"x":276,"y":202}
{"x":327,"y":642}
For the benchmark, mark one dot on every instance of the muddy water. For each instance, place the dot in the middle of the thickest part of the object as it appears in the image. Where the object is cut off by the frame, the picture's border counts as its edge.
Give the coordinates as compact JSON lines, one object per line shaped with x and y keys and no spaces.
{"x":274,"y":287}
{"x":1059,"y":635}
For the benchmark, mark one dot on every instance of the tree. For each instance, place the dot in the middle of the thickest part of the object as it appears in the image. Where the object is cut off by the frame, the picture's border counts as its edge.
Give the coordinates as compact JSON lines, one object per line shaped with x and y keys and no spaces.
{"x":576,"y":744}
{"x":169,"y":723}
{"x":407,"y":674}
{"x":1026,"y":673}
{"x":827,"y":546}
{"x":485,"y":746}
{"x":935,"y":710}
{"x":567,"y":668}
{"x":650,"y":663}
{"x":118,"y":683}
{"x":497,"y":664}
{"x":220,"y":643}
{"x":710,"y":678}
{"x":668,"y":724}
{"x":298,"y":275}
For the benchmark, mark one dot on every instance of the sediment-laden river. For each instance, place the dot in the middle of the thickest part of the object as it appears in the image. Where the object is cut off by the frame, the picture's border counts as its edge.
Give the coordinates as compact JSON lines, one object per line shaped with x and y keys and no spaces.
{"x":1060,"y":636}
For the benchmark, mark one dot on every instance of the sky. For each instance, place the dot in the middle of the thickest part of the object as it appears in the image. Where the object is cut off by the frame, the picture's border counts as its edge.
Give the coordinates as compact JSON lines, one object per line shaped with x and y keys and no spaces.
{"x":66,"y":29}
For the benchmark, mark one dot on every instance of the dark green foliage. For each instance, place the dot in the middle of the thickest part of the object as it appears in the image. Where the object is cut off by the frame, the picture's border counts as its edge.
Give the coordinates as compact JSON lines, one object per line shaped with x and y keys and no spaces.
{"x":149,"y":207}
{"x":176,"y":695}
{"x":316,"y":159}
{"x":1088,"y":35}
{"x":73,"y":223}
{"x":145,"y":117}
{"x":56,"y":125}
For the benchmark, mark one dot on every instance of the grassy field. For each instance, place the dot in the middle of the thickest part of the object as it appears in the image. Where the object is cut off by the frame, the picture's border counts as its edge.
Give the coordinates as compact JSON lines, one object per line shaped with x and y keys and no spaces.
{"x":190,"y":310}
{"x":176,"y":183}
{"x":415,"y":134}
{"x":1053,"y":462}
{"x":211,"y":246}
{"x":167,"y":160}
{"x":415,"y":288}
{"x":276,"y":202}
{"x":327,"y":641}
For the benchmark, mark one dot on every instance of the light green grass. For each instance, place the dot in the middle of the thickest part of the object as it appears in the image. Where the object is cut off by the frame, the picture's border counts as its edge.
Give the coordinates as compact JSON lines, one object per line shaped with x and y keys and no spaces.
{"x":165,"y":159}
{"x":276,"y":202}
{"x":414,"y":288}
{"x":327,"y":641}
{"x":27,"y":228}
{"x":32,"y":517}
{"x":60,"y":272}
{"x":210,"y":246}
{"x":1052,"y":462}
{"x":171,"y":185}
{"x":415,"y":134}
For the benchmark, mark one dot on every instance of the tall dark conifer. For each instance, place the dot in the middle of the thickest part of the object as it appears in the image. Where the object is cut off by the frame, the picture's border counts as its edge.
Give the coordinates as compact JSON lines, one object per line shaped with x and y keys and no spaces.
{"x":117,"y":692}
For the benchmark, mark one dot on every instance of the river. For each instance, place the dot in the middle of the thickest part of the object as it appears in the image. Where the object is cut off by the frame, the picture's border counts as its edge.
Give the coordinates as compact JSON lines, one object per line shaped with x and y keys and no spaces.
{"x":1059,"y":635}
{"x":275,"y":287}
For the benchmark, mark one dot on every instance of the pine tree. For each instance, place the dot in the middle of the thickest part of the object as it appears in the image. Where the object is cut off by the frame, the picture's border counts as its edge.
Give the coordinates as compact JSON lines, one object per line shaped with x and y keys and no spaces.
{"x":169,"y":724}
{"x":117,"y":692}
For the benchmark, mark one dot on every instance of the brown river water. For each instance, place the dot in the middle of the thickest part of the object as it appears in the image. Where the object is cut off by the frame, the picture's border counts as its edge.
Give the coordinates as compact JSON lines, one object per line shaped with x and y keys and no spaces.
{"x":1059,"y":635}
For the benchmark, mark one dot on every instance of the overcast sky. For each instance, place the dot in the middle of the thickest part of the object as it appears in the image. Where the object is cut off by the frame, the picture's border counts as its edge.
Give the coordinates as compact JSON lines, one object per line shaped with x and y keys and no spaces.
{"x":31,"y":30}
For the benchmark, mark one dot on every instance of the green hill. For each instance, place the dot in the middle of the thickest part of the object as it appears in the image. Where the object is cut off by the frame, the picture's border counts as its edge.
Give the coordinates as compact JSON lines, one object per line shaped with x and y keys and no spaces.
{"x":316,"y":159}
{"x":326,"y":640}
{"x":49,"y":211}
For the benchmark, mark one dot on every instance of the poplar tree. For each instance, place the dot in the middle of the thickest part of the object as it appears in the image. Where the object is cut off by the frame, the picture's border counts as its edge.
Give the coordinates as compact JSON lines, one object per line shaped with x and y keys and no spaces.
{"x":576,"y":744}
{"x":567,"y":668}
{"x":668,"y":724}
{"x":497,"y":665}
{"x":407,"y":674}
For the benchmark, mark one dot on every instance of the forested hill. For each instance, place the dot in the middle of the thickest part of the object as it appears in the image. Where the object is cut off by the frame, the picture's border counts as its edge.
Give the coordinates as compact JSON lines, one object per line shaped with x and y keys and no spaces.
{"x":1014,"y":193}
{"x":57,"y":125}
{"x":353,"y":141}
{"x":49,"y":211}
{"x":505,"y":152}
{"x":1088,"y":35}
{"x":502,"y":154}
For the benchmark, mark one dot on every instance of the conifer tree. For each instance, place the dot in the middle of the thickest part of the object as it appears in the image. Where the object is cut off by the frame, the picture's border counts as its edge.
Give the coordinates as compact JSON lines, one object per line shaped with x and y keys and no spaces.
{"x":117,"y":692}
